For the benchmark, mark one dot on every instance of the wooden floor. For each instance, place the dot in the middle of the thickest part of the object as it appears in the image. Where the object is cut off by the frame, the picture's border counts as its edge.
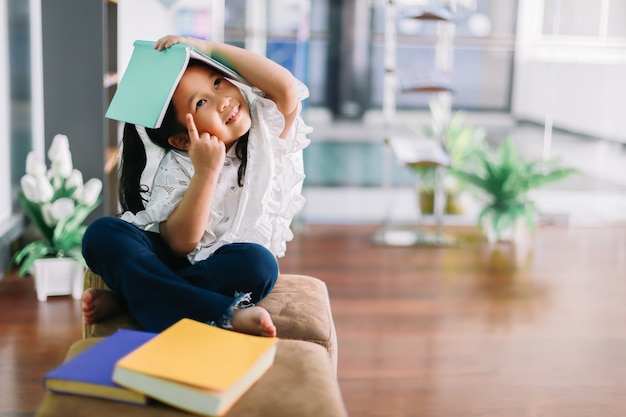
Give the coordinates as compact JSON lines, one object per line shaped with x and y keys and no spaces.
{"x":423,"y":332}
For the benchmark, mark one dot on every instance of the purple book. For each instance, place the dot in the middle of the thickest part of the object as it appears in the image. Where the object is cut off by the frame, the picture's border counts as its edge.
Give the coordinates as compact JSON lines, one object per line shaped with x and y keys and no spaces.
{"x":90,"y":372}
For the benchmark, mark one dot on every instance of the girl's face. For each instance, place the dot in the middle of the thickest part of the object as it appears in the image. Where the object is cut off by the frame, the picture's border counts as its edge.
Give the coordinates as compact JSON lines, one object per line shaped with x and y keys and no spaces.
{"x":217,"y":106}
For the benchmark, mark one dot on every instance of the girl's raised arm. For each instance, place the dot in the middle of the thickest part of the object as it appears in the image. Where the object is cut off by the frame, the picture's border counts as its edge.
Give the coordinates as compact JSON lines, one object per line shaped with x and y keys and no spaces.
{"x":278,"y":84}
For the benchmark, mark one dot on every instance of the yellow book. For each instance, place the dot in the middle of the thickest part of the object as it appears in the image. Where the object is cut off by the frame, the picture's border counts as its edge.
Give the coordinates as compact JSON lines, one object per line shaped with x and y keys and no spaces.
{"x":197,"y":367}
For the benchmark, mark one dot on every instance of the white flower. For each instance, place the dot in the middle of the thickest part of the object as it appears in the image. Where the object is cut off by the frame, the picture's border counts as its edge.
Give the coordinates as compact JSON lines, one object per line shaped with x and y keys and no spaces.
{"x":63,"y":167}
{"x":61,"y":157}
{"x":37,"y":190}
{"x":74,"y":180}
{"x":44,"y":190}
{"x":35,"y":165}
{"x":46,"y":213}
{"x":54,"y":179}
{"x":91,"y":191}
{"x":29,"y":188}
{"x":62,"y":208}
{"x":59,"y":148}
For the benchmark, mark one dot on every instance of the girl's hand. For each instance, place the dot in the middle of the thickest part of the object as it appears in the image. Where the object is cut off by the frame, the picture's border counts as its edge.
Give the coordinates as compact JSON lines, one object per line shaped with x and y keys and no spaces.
{"x":207,"y":153}
{"x":169,"y":40}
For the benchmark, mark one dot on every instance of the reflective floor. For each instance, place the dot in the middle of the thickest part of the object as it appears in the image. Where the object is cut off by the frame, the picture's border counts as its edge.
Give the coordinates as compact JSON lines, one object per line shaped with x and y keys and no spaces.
{"x":476,"y":329}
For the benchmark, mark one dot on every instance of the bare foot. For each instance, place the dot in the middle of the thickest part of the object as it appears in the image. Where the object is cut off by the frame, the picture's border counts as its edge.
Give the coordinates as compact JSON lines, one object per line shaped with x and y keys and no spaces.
{"x":253,"y":320}
{"x":98,"y":304}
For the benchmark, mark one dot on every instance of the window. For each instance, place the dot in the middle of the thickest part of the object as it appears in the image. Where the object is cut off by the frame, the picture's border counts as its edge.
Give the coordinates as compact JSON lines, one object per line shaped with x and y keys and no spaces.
{"x":597,"y":20}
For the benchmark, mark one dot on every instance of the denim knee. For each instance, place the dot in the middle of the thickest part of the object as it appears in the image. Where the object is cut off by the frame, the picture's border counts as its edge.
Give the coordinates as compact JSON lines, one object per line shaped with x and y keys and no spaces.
{"x":250,"y":266}
{"x":262,"y":262}
{"x":264,"y":267}
{"x":96,"y":235}
{"x":112,"y":238}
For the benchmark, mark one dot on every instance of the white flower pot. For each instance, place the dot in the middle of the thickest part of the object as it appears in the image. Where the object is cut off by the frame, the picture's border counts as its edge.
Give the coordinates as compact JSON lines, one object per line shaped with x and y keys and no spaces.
{"x":58,"y":276}
{"x":517,"y":233}
{"x":518,"y":236}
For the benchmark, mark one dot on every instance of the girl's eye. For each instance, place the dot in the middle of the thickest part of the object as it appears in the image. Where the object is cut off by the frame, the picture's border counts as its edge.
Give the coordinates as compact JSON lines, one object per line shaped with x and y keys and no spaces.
{"x":200,"y":103}
{"x":217,"y":82}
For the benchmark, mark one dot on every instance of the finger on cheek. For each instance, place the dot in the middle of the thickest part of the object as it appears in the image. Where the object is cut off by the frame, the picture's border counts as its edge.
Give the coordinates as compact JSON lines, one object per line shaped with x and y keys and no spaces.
{"x":191,"y":125}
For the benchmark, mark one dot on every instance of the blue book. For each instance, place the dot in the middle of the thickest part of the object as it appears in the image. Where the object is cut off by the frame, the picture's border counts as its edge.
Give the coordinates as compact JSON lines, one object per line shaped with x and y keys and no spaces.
{"x":147,"y":86}
{"x":90,"y":372}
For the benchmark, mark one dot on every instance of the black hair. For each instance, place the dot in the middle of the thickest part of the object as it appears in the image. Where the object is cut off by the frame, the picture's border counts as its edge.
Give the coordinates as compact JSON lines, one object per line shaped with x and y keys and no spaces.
{"x":241,"y":152}
{"x":132,"y":194}
{"x":132,"y":164}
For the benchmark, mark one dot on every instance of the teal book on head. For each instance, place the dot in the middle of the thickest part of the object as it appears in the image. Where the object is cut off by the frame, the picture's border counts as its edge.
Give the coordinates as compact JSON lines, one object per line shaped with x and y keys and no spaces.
{"x":150,"y":79}
{"x":90,"y":372}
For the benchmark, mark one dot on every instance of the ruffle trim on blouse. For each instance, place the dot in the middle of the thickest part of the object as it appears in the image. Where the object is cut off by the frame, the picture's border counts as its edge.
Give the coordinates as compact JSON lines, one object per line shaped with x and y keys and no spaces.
{"x":274,"y":177}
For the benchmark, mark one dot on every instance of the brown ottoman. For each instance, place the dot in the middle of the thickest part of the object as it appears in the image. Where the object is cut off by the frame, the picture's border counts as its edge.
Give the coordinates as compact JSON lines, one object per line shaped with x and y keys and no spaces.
{"x":299,"y":306}
{"x":299,"y":383}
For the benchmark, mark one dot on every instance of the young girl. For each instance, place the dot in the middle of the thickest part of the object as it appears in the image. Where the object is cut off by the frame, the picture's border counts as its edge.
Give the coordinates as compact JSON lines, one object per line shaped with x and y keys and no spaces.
{"x":204,"y":245}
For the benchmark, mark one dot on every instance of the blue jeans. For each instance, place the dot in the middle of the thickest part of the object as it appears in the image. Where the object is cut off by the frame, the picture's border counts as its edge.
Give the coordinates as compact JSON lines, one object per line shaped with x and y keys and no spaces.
{"x":161,"y":288}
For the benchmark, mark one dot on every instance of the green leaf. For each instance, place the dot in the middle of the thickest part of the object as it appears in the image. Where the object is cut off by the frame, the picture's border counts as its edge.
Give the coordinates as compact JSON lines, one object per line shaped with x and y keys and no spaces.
{"x":63,"y":192}
{"x":69,"y":232}
{"x":505,"y":179}
{"x":33,"y":212}
{"x":76,"y":254}
{"x":81,"y":213}
{"x":29,"y":254}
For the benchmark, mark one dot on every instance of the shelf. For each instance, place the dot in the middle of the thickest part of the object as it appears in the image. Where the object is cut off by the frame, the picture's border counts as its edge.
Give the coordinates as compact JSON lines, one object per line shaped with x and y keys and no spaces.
{"x":427,"y":89}
{"x":439,"y":14}
{"x":413,"y":150}
{"x":432,"y":83}
{"x":424,"y":87}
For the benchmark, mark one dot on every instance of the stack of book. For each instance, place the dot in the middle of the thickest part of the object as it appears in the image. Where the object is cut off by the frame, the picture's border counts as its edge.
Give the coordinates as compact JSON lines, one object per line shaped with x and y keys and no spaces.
{"x":191,"y":365}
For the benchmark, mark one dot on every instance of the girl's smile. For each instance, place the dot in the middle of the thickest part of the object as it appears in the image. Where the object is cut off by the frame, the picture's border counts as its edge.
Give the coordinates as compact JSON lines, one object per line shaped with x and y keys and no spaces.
{"x":234,"y":116}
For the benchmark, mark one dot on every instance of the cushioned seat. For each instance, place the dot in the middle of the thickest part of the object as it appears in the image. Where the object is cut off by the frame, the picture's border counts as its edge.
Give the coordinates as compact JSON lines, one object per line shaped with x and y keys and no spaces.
{"x":298,"y":304}
{"x":299,"y":383}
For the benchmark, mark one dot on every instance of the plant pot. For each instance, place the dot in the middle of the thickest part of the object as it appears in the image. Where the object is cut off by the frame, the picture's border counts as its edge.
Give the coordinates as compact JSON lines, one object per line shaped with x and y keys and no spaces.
{"x":518,"y":236}
{"x":58,"y":276}
{"x":517,"y":233}
{"x":453,"y":203}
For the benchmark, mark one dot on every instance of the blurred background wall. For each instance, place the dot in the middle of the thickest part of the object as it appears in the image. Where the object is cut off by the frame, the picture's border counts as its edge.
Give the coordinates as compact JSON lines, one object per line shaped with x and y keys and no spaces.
{"x":547,"y":62}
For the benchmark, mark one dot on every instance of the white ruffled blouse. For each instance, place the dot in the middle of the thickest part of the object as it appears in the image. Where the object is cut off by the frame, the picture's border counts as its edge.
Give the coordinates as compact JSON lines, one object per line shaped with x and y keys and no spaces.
{"x":259,"y":212}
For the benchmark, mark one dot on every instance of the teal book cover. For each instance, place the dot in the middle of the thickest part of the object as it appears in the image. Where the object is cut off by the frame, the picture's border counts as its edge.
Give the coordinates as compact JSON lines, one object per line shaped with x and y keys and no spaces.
{"x":90,"y":373}
{"x":150,"y":79}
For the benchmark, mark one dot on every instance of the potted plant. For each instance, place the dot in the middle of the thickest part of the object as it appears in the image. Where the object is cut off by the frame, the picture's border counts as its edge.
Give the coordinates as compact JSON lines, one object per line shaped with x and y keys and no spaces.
{"x":461,"y":142}
{"x":506,"y":179}
{"x":56,"y":202}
